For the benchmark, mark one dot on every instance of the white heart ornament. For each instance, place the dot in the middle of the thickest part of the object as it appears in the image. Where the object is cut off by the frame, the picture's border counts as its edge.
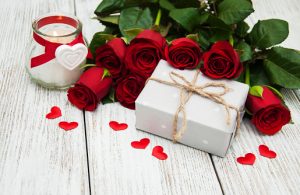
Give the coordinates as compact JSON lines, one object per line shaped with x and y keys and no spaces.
{"x":71,"y":57}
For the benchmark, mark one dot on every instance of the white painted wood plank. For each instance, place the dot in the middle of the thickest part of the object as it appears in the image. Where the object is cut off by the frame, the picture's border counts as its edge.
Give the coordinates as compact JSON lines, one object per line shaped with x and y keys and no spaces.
{"x":276,"y":176}
{"x":116,"y":168}
{"x":292,"y":101}
{"x":263,"y":178}
{"x":85,"y":11}
{"x":36,"y":156}
{"x":286,"y":10}
{"x":280,"y":175}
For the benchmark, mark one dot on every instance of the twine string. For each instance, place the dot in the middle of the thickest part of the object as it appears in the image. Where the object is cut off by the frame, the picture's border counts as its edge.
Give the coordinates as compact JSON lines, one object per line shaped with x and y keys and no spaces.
{"x":187,"y":89}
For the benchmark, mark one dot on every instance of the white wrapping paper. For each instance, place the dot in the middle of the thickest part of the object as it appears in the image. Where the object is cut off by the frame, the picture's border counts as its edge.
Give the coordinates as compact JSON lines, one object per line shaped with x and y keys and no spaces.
{"x":207,"y":129}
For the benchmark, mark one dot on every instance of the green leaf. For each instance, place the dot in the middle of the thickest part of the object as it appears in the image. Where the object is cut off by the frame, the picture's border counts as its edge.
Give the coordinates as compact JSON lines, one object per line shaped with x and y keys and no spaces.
{"x":186,"y":3}
{"x":99,"y":39}
{"x":135,"y":17}
{"x":112,"y":29}
{"x":106,"y":73}
{"x":170,"y":38}
{"x":256,"y":91}
{"x":164,"y":30}
{"x":275,"y":91}
{"x":244,"y":51}
{"x":166,"y":5}
{"x":109,"y":19}
{"x":203,"y":40}
{"x":280,"y":76}
{"x":242,"y":29}
{"x":258,"y":75}
{"x":283,"y":67}
{"x":218,"y":30}
{"x":132,"y":33}
{"x":234,"y":11}
{"x":107,"y":7}
{"x":189,"y":18}
{"x":267,"y":33}
{"x":110,"y":98}
{"x":194,"y":37}
{"x":83,"y":66}
{"x":241,"y":78}
{"x":131,"y":3}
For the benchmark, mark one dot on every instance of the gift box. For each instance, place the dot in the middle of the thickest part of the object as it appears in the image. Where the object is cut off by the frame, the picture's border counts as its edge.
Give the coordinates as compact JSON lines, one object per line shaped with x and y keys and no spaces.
{"x":194,"y":107}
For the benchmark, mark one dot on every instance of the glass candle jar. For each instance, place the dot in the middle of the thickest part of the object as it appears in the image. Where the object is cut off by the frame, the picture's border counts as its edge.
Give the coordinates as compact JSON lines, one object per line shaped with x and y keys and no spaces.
{"x":59,"y":50}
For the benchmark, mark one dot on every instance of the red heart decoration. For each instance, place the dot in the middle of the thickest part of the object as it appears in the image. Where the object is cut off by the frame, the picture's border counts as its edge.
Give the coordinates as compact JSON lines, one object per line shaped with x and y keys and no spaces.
{"x":55,"y":112}
{"x":67,"y":126}
{"x":158,"y":152}
{"x":249,"y":159}
{"x":118,"y":126}
{"x":266,"y":152}
{"x":142,"y":144}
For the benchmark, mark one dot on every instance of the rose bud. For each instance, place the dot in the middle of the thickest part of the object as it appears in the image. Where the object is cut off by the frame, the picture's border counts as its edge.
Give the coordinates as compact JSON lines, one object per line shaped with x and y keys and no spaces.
{"x":269,"y":113}
{"x":128,"y":89}
{"x":183,"y":53}
{"x":89,"y":90}
{"x":221,"y":61}
{"x":144,"y":52}
{"x":111,"y":56}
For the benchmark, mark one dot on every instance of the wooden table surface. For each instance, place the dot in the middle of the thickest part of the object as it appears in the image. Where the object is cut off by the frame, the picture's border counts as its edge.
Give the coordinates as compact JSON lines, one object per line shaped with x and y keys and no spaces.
{"x":37,"y":157}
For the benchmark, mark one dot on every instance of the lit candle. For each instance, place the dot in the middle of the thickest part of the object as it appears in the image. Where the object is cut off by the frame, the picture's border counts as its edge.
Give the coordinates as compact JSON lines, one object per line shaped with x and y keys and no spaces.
{"x":59,"y":36}
{"x":56,"y":28}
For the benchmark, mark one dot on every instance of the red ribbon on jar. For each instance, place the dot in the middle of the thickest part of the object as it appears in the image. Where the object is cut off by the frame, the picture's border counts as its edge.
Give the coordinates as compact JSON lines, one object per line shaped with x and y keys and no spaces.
{"x":51,"y":46}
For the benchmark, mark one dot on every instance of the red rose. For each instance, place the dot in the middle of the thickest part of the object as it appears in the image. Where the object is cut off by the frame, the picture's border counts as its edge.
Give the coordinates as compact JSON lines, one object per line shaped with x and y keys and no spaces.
{"x":82,"y":97}
{"x":144,"y":52}
{"x":111,"y":56}
{"x":128,"y":89}
{"x":89,"y":89}
{"x":183,"y":53}
{"x":222,"y":61}
{"x":269,"y":114}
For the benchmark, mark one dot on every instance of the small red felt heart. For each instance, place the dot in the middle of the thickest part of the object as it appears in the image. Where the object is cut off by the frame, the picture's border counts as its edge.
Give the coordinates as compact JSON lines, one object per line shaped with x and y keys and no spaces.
{"x":67,"y":126}
{"x":266,"y":152}
{"x":118,"y":126}
{"x":249,"y":159}
{"x":55,"y":112}
{"x":142,"y":144}
{"x":158,"y":152}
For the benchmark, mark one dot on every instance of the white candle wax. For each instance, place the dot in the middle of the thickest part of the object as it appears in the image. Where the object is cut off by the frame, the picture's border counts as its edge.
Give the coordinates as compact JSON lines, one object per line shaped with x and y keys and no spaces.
{"x":59,"y":36}
{"x":52,"y":74}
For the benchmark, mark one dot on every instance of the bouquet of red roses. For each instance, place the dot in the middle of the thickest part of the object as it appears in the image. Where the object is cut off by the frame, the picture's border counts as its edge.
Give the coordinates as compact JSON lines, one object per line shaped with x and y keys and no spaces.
{"x":190,"y":35}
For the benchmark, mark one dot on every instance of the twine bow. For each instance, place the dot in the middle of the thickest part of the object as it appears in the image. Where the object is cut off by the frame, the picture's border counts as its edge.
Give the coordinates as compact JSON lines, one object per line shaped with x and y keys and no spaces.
{"x":187,"y":89}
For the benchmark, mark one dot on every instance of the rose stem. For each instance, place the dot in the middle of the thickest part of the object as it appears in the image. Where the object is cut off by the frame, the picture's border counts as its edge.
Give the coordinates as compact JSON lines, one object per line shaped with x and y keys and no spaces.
{"x":231,"y":40}
{"x":158,"y":17}
{"x":247,"y":74}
